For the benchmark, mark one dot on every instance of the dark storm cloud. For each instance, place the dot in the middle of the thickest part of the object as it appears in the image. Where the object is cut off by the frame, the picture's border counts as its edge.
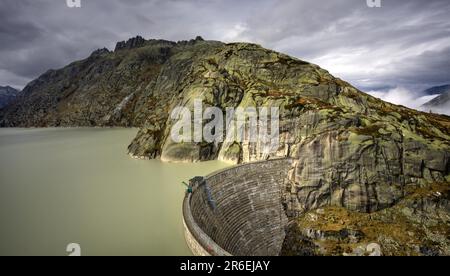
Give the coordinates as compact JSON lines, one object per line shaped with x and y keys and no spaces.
{"x":369,"y":47}
{"x":404,"y":43}
{"x":15,"y":32}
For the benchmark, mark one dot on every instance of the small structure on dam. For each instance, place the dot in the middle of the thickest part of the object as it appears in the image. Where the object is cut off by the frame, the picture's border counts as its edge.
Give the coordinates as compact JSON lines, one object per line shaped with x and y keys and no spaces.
{"x":238,"y":211}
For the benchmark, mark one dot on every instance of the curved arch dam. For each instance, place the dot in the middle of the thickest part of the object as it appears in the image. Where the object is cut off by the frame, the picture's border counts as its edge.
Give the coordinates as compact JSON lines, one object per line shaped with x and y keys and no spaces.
{"x":238,"y":211}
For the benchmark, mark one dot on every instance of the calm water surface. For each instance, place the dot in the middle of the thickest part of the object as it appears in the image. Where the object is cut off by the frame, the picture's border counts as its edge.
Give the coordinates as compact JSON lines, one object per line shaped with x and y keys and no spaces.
{"x":61,"y":186}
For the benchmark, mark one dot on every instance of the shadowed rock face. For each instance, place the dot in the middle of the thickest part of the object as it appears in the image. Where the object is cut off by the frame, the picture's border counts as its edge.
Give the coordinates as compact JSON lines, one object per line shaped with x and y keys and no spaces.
{"x":106,"y":89}
{"x":7,"y":95}
{"x":350,"y":149}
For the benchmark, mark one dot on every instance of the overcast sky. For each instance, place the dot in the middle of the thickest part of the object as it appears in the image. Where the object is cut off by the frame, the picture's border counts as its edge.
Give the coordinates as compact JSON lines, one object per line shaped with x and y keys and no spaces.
{"x":405,"y":43}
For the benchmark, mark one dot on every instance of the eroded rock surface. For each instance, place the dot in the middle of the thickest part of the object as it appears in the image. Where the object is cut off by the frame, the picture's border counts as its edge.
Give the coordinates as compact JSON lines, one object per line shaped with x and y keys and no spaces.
{"x":417,"y":226}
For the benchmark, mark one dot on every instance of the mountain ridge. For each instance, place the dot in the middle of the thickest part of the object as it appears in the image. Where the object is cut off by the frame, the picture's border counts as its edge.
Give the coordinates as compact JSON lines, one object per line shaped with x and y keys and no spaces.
{"x":440,"y":104}
{"x":437,"y":90}
{"x":7,"y":95}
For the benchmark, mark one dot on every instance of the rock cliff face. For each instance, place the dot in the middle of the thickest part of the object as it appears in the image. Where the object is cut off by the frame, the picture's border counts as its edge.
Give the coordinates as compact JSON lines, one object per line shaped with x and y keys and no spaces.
{"x":418,"y":225}
{"x":7,"y":95}
{"x":351,"y":150}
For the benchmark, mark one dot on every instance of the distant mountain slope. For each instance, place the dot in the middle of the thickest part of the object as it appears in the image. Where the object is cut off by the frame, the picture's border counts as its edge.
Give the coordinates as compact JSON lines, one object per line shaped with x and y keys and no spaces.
{"x":7,"y":95}
{"x":437,"y":90}
{"x":440,"y":104}
{"x":440,"y":100}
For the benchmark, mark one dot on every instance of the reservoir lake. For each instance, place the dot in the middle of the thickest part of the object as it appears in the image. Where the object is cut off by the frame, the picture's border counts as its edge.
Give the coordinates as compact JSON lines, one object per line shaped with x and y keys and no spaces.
{"x":78,"y":185}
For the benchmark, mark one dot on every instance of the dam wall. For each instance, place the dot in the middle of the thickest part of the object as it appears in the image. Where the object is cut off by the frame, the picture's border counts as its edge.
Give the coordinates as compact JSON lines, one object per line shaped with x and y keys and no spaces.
{"x":238,"y":211}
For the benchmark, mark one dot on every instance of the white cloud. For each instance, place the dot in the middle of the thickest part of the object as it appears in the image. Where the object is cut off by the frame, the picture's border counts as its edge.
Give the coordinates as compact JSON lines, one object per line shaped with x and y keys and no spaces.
{"x":403,"y":96}
{"x":235,"y":33}
{"x":445,"y":109}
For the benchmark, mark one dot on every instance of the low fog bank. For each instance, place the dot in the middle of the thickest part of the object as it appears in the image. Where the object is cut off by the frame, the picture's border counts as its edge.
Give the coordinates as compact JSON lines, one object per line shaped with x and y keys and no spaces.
{"x":412,"y":99}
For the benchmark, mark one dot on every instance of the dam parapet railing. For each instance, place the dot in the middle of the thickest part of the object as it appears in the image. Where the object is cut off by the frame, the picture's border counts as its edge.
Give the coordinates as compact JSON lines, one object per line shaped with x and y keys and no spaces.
{"x":238,"y":210}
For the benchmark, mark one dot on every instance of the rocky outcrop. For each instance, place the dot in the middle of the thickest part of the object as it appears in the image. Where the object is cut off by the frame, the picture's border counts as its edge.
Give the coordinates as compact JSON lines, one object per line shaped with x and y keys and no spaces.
{"x":350,"y":150}
{"x":417,"y":226}
{"x":139,"y":42}
{"x":135,"y":42}
{"x":366,"y":168}
{"x":7,"y":95}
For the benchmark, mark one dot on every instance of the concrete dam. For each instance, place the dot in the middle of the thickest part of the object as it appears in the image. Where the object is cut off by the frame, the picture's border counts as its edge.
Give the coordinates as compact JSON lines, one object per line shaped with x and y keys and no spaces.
{"x":237,"y":211}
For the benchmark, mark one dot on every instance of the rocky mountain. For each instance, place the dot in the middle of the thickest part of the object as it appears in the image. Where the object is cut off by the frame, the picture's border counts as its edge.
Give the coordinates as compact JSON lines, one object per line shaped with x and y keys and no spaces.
{"x":351,"y":150}
{"x":7,"y":95}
